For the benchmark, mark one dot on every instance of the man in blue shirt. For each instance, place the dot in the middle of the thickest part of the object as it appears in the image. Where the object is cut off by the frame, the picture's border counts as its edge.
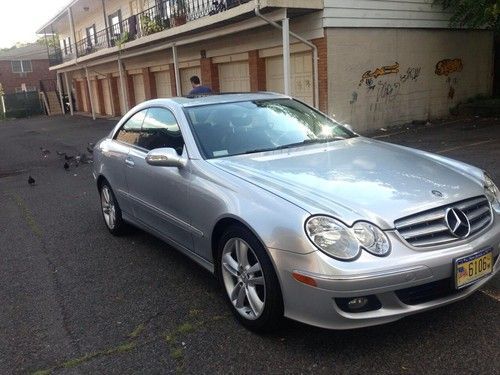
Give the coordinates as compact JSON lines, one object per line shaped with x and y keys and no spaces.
{"x":198,"y":89}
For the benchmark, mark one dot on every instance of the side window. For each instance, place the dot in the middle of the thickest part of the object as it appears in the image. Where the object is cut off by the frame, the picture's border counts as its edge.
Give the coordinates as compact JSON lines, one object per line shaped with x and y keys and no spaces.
{"x":131,"y":130}
{"x":160,"y":129}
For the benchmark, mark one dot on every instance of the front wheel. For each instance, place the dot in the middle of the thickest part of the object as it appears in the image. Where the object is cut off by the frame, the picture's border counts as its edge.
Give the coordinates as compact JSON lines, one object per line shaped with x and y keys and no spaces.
{"x":249,"y":280}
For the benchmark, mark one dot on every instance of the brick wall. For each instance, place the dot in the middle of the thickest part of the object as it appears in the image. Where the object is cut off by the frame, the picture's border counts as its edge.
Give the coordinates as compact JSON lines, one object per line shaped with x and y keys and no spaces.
{"x":321,"y":44}
{"x":257,"y":70}
{"x":11,"y":80}
{"x":209,"y":74}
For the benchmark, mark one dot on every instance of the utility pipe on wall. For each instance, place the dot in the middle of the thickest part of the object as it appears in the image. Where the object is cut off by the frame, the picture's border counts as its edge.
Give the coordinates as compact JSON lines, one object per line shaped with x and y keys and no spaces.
{"x":305,"y":41}
{"x":286,"y":55}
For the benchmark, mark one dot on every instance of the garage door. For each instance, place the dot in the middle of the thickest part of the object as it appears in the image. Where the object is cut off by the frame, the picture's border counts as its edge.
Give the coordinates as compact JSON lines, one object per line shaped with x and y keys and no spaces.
{"x":139,"y":93}
{"x":187,"y":73}
{"x":95,"y":93}
{"x":234,"y":77}
{"x":83,"y":93}
{"x":301,"y":75}
{"x":163,"y":88}
{"x":107,"y":97}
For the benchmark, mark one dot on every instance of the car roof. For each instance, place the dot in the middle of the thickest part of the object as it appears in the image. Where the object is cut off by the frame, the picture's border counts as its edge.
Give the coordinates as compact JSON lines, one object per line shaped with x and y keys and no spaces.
{"x":218,"y":98}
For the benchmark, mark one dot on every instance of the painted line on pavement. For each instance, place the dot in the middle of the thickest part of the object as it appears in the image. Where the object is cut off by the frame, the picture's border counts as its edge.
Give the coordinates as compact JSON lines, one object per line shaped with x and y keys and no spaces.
{"x":464,"y":146}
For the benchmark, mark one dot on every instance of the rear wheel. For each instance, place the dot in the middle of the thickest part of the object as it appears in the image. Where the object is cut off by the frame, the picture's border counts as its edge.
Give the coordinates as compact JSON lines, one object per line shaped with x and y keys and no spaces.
{"x":249,"y":280}
{"x":111,"y":210}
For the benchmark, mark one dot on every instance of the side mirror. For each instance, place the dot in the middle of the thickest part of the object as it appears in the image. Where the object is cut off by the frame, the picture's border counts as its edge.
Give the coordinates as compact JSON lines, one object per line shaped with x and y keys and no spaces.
{"x":165,"y":157}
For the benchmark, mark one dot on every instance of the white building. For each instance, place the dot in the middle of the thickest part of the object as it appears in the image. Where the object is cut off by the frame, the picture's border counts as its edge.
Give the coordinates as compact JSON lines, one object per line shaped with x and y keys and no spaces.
{"x":380,"y":63}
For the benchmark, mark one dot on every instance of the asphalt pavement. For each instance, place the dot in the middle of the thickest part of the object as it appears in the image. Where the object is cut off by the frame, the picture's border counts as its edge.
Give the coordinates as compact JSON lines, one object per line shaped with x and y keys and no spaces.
{"x":75,"y":300}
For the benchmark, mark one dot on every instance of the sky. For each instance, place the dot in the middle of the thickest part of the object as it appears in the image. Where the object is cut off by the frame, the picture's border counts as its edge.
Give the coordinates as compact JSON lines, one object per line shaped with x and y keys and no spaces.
{"x":19,"y":19}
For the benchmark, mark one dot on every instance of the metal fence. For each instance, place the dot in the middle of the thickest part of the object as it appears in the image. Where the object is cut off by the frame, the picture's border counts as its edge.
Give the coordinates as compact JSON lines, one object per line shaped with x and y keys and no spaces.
{"x":164,"y":15}
{"x":22,"y":104}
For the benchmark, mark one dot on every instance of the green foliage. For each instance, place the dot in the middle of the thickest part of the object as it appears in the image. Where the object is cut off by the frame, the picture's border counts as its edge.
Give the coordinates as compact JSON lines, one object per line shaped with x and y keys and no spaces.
{"x":473,"y":13}
{"x":153,"y":25}
{"x":122,"y":39}
{"x":50,"y":41}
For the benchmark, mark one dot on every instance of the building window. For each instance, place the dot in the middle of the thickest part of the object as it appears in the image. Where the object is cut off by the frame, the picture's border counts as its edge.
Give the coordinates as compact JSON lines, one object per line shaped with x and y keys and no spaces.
{"x":91,"y":35}
{"x":67,"y":45}
{"x":115,"y":25}
{"x":21,"y":66}
{"x":25,"y":88}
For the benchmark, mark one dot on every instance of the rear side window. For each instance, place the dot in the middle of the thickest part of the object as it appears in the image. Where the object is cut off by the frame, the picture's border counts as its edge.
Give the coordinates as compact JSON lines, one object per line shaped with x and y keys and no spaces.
{"x":131,"y":130}
{"x":160,"y":129}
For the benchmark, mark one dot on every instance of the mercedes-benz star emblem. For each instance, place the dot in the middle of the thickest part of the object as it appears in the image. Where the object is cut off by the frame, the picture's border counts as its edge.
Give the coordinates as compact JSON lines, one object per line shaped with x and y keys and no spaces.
{"x":457,"y":222}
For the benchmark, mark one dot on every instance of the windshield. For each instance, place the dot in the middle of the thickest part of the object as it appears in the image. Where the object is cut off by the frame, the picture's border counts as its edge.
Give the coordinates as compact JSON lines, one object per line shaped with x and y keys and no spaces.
{"x":260,"y":125}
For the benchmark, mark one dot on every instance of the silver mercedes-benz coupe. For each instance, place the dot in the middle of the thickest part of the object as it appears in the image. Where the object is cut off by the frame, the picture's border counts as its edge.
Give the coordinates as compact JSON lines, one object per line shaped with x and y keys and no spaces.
{"x":297,"y":215}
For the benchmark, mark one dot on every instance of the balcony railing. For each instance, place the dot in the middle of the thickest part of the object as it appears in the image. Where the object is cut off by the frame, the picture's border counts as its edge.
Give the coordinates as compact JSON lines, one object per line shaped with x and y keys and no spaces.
{"x":164,"y":15}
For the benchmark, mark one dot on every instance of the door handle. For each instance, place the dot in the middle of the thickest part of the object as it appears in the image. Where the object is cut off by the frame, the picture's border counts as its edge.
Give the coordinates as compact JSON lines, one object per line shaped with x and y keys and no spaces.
{"x":129,"y":162}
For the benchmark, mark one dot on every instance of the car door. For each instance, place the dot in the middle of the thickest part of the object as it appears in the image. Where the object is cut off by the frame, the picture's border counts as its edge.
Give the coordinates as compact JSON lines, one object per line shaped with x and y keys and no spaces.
{"x":160,"y":193}
{"x":116,"y":157}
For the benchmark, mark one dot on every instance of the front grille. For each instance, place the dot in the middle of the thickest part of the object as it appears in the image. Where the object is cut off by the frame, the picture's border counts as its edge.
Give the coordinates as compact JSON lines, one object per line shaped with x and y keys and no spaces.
{"x":428,"y":228}
{"x":427,"y":292}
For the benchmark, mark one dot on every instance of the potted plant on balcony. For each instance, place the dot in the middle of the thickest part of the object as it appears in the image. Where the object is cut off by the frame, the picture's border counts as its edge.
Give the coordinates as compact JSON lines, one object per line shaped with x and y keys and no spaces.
{"x":180,"y":13}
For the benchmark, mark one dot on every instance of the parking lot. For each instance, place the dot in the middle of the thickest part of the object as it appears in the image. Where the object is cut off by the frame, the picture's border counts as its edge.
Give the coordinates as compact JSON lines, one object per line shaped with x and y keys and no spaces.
{"x":74,"y":299}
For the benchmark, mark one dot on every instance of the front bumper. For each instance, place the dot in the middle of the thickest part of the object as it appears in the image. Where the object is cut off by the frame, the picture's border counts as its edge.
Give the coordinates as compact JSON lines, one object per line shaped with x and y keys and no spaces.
{"x":390,"y":279}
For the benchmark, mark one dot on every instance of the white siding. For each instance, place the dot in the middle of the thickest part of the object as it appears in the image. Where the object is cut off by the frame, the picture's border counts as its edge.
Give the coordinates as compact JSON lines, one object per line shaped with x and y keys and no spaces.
{"x":384,"y":13}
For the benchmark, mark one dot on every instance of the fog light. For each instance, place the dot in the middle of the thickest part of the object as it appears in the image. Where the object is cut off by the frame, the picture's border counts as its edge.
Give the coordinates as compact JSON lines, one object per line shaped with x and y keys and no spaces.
{"x":357,"y":303}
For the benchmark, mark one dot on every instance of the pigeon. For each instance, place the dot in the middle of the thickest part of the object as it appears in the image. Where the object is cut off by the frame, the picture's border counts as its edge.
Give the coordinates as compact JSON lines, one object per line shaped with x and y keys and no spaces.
{"x":45,"y":152}
{"x":59,"y":153}
{"x":91,"y":145}
{"x":68,"y":157}
{"x":66,"y":166}
{"x":90,"y":150}
{"x":31,"y":181}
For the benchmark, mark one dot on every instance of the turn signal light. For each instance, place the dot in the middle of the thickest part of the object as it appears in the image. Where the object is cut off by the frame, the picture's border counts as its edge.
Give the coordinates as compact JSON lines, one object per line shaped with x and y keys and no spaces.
{"x":304,"y":279}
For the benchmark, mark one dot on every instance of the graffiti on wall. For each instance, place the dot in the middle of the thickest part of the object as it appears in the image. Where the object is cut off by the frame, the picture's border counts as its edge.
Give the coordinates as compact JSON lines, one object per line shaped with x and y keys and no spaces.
{"x":369,"y":77}
{"x":412,"y":73}
{"x":447,"y":66}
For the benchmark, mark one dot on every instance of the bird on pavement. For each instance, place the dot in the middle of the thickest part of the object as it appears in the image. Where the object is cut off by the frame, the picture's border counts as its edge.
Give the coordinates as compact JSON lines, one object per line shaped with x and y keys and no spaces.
{"x":59,"y":153}
{"x":68,"y":157}
{"x":31,"y":181}
{"x":90,"y":150}
{"x":66,"y":166}
{"x":45,"y":152}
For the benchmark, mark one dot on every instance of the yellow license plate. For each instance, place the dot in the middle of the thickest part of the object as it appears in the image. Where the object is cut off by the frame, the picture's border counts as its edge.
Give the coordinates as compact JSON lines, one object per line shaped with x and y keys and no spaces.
{"x":471,"y":268}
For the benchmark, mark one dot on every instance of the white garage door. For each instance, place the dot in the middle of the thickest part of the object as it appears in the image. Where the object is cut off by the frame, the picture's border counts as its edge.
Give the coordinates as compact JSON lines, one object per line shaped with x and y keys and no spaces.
{"x":107,"y":97}
{"x":163,"y":88}
{"x":187,"y":73}
{"x":301,"y":76}
{"x":234,"y":77}
{"x":140,"y":95}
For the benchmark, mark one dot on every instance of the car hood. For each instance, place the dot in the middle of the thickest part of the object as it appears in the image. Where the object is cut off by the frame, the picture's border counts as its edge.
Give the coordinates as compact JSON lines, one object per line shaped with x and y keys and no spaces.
{"x":358,"y":179}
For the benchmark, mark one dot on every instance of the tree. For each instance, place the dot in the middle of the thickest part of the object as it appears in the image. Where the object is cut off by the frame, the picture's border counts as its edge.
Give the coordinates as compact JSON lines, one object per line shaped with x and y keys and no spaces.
{"x":473,"y":13}
{"x":50,"y":41}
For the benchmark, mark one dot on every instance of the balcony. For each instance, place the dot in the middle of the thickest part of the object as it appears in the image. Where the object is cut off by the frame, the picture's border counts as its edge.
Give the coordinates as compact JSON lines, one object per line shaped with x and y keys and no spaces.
{"x":164,"y":15}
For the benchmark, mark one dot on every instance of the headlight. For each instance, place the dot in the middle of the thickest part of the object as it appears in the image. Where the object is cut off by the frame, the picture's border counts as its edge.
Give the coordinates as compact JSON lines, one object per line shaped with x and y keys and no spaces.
{"x":490,"y":189}
{"x":332,"y":237}
{"x":372,"y":238}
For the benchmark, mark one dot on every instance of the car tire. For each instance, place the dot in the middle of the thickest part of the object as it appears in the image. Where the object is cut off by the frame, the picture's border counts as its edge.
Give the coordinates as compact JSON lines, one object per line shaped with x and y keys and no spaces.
{"x":111,"y":211}
{"x":250,"y":284}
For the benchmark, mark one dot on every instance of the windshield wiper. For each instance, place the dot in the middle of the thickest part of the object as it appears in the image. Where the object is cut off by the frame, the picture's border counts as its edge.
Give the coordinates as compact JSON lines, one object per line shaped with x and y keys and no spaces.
{"x":309,"y":142}
{"x":291,"y":145}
